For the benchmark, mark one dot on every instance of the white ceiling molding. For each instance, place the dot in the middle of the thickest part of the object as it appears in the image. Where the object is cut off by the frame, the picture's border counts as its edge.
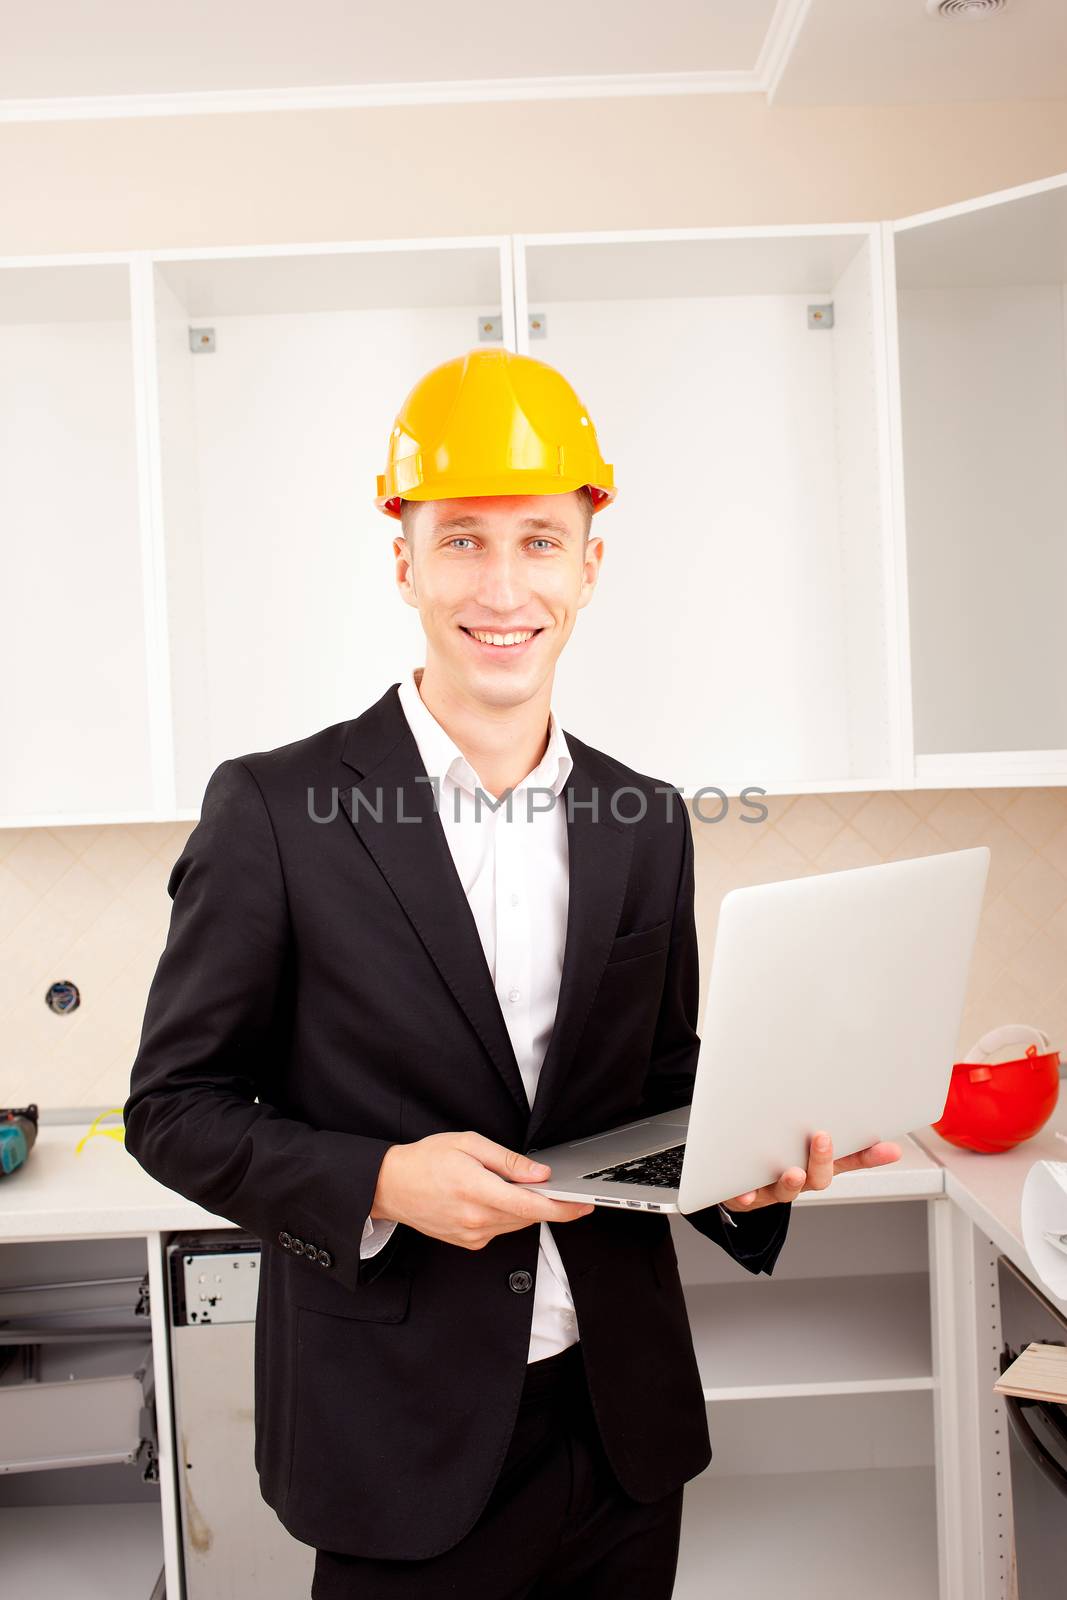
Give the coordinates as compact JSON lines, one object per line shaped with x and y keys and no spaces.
{"x":782,"y":33}
{"x":790,"y":52}
{"x":348,"y":96}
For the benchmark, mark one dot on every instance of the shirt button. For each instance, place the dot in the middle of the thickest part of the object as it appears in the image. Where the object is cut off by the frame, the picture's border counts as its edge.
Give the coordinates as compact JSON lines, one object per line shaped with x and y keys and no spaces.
{"x":513,"y":994}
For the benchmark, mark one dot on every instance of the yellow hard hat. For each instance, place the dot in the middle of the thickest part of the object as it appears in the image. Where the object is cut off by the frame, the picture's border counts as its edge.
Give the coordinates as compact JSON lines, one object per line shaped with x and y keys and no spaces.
{"x":492,"y":422}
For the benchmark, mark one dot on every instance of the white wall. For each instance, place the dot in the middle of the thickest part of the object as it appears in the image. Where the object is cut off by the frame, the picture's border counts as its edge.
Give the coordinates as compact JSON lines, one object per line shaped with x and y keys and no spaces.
{"x":397,"y":172}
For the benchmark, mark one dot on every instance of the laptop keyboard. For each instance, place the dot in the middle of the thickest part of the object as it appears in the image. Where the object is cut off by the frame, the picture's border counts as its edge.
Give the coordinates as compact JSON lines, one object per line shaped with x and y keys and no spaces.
{"x":661,"y":1170}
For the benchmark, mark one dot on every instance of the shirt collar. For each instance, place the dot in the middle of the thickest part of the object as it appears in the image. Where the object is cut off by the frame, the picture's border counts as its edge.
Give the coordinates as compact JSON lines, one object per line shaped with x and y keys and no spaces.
{"x":442,"y":757}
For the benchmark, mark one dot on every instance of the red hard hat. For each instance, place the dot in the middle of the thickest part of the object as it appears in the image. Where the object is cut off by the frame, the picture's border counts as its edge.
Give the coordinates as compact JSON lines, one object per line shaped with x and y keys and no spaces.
{"x":994,"y":1105}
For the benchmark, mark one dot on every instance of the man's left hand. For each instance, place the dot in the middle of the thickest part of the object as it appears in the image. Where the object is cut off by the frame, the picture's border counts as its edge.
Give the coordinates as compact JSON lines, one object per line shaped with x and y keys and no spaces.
{"x":822,"y":1169}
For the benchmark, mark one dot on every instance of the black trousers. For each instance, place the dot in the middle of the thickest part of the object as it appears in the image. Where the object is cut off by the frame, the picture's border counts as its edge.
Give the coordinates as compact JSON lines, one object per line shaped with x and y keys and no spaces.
{"x":557,"y":1525}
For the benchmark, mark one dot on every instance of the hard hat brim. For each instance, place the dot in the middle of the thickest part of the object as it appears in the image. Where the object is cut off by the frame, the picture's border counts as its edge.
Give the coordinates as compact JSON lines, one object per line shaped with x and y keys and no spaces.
{"x":510,"y":483}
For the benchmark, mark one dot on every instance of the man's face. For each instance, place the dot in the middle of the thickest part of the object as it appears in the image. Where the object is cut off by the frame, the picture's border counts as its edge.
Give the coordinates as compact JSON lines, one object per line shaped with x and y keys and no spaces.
{"x":497,"y":564}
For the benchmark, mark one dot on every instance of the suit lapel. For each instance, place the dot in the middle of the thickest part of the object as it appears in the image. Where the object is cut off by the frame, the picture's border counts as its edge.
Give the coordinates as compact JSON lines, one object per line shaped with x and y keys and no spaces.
{"x":393,"y":813}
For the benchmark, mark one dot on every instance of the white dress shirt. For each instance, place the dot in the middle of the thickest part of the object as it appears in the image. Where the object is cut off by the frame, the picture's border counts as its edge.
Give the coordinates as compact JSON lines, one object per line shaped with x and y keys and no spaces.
{"x":513,"y":864}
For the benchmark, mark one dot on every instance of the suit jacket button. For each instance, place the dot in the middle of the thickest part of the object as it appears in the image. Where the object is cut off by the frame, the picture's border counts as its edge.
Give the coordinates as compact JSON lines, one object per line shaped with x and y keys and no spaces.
{"x":285,"y":1240}
{"x":325,"y":1258}
{"x":299,"y":1247}
{"x":521,"y":1280}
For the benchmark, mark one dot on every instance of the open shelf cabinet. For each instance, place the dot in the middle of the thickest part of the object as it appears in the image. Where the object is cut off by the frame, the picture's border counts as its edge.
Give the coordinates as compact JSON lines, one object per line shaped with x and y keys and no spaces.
{"x":834,"y":562}
{"x":981,"y":290}
{"x":741,"y":632}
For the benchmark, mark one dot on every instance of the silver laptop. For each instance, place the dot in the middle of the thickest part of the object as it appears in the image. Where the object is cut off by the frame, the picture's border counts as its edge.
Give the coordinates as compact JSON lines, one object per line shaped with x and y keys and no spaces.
{"x":835,"y":1002}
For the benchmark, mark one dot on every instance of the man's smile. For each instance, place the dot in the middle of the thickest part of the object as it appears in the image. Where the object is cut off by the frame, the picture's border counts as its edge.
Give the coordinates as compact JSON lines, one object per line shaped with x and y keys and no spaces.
{"x":516,"y":642}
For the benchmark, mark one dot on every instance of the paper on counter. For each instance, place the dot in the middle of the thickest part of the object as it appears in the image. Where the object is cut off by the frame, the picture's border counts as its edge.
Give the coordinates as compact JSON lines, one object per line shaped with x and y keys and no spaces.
{"x":1044,"y":1211}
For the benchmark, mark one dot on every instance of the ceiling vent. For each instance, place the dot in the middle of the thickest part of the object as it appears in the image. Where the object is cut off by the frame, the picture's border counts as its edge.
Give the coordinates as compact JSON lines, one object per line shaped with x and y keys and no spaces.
{"x":964,"y":8}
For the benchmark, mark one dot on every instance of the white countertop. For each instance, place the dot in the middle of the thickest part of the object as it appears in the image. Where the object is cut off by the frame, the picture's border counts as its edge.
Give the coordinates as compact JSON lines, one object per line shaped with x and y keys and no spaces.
{"x":103,"y":1192}
{"x":99,"y":1192}
{"x":989,"y":1188}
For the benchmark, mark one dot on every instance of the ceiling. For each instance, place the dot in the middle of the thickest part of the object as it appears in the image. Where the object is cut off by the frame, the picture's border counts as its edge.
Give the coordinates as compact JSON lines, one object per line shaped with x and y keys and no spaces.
{"x":66,"y":47}
{"x":65,"y":58}
{"x":884,"y":52}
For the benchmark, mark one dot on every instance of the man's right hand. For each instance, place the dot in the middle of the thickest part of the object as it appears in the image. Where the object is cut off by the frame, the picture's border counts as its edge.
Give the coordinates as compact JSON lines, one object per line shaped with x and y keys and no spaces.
{"x":464,"y":1189}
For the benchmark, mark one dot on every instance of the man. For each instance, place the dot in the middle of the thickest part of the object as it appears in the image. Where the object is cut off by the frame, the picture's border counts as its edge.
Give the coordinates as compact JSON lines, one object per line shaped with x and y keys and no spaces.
{"x":427,"y":941}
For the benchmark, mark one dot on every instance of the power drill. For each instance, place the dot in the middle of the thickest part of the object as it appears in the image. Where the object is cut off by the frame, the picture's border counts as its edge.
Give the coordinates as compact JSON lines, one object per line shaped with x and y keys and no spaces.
{"x":18,"y":1133}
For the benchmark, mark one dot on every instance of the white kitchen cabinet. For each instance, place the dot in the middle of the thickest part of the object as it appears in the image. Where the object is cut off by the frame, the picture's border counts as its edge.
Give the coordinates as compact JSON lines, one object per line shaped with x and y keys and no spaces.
{"x":850,"y":1404}
{"x":980,"y":292}
{"x":835,"y":561}
{"x":77,"y":718}
{"x":80,"y":1501}
{"x":742,"y":631}
{"x":823,"y":1406}
{"x":283,"y":609}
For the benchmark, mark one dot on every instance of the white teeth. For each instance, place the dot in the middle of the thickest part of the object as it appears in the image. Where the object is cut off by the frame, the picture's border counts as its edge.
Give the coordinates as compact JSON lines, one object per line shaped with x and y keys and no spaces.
{"x":502,"y":638}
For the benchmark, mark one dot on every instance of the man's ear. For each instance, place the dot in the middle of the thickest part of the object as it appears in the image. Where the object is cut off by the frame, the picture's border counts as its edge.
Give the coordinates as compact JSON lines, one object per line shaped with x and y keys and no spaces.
{"x":405,"y":570}
{"x":594,"y":555}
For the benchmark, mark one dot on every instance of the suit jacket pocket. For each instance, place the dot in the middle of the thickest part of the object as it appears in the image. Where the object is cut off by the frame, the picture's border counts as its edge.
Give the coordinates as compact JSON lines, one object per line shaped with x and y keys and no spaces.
{"x":644,"y":942}
{"x":384,"y":1299}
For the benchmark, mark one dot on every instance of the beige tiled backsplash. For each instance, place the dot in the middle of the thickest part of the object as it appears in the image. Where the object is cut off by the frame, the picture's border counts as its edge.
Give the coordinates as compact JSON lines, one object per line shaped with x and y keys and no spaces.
{"x":89,"y":905}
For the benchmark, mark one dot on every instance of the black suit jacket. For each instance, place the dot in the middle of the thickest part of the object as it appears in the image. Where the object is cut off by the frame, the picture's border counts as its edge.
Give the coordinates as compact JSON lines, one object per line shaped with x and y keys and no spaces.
{"x":324,"y":994}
